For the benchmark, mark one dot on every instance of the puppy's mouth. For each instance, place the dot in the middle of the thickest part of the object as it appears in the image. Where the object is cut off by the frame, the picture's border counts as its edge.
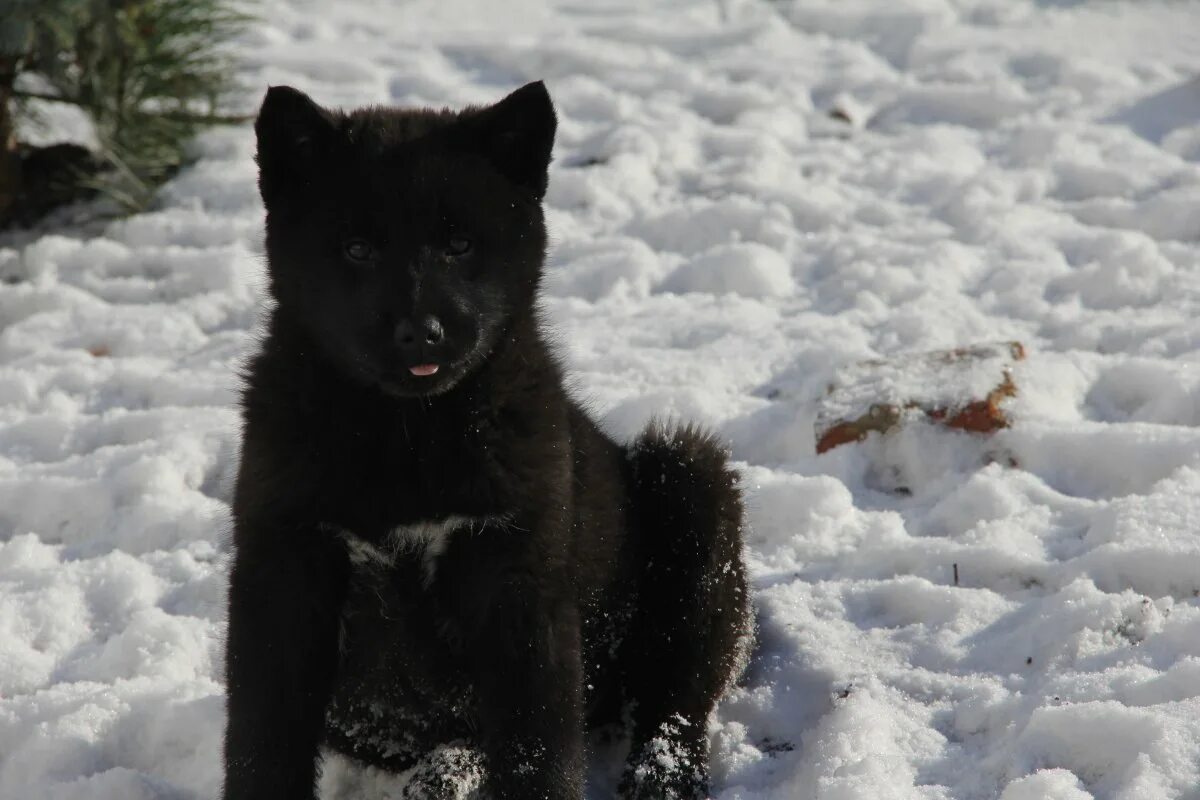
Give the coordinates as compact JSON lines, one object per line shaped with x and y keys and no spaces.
{"x":427,"y":374}
{"x":416,"y":380}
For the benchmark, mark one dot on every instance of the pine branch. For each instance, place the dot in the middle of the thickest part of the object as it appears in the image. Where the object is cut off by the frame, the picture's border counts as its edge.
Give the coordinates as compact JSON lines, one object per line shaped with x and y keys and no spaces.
{"x":174,"y":116}
{"x":149,"y":74}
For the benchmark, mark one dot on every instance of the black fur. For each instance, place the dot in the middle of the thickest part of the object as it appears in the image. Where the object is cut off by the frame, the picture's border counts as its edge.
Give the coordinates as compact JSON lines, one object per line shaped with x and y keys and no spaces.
{"x":455,"y":573}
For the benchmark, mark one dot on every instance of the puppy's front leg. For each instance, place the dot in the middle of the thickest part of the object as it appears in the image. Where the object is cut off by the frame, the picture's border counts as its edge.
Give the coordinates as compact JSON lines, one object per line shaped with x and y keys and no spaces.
{"x":285,"y":597}
{"x":528,"y":679}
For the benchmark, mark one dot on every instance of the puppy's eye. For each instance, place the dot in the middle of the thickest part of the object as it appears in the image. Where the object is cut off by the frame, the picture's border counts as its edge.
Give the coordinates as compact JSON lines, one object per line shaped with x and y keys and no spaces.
{"x":458,"y":247}
{"x":358,"y":250}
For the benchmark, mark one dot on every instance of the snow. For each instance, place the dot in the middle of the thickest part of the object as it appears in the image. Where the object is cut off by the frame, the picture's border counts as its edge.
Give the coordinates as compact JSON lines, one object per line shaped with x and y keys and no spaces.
{"x":748,"y":197}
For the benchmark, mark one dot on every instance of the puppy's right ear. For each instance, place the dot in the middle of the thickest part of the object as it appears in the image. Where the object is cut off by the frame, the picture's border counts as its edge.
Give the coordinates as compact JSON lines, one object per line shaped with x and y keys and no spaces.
{"x":293,"y":133}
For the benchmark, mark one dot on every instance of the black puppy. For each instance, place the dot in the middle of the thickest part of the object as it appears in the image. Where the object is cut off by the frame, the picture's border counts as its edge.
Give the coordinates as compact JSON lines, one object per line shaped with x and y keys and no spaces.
{"x":442,"y":565}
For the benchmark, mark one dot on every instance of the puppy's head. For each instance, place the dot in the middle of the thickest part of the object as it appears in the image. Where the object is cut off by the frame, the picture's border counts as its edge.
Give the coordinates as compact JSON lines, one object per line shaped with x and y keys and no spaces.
{"x":404,"y":241}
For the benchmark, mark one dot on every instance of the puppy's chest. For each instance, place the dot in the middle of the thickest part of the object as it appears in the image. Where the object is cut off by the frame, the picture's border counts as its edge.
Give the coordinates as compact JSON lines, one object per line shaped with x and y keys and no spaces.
{"x":407,"y":548}
{"x":401,"y":489}
{"x":393,"y":645}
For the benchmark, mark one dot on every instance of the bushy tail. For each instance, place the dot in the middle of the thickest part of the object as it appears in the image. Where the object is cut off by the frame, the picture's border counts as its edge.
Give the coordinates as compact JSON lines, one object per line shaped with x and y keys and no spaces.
{"x":693,"y":614}
{"x":688,"y":510}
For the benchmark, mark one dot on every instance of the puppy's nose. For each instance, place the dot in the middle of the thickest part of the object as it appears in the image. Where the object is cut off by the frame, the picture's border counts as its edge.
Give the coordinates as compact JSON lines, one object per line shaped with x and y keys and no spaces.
{"x":433,"y":330}
{"x":429,"y":332}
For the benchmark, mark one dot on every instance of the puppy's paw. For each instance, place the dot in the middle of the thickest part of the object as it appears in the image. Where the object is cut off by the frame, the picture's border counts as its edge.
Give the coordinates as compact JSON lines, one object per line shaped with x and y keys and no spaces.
{"x":451,"y":772}
{"x":666,"y":768}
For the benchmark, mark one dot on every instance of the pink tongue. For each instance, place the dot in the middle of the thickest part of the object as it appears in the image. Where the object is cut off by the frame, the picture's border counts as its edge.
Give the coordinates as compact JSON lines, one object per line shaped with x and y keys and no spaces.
{"x":423,"y":369}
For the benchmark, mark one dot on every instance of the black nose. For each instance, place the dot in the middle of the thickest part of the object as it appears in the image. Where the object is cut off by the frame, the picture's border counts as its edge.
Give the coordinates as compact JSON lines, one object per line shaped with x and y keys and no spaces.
{"x":429,"y":332}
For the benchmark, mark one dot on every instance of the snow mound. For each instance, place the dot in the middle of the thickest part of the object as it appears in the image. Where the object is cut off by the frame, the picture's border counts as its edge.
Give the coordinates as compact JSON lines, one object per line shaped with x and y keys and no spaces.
{"x":748,"y":269}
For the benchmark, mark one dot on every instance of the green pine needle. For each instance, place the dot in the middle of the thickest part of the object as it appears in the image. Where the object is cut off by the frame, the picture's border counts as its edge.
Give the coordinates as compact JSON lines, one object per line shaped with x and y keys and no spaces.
{"x":149,"y":74}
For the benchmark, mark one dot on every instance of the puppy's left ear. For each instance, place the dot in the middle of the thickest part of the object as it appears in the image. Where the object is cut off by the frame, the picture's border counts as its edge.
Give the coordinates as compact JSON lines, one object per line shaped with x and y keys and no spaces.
{"x":516,"y":135}
{"x":294,"y":136}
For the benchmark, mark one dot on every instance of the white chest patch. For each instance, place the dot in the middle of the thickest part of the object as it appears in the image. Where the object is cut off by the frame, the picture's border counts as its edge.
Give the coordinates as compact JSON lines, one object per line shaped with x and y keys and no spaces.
{"x":429,"y":539}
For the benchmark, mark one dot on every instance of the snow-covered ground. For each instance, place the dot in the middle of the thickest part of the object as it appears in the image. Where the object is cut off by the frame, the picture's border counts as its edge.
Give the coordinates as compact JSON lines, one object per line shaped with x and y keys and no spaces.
{"x":747,"y":195}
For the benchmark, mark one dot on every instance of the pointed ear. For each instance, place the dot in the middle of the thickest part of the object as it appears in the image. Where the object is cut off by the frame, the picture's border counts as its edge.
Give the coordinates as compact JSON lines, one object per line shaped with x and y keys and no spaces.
{"x":516,"y":135}
{"x":293,"y":132}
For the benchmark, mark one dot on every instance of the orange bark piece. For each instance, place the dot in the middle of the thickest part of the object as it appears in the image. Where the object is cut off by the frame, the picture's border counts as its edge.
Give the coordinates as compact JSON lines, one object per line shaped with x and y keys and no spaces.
{"x":977,"y":416}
